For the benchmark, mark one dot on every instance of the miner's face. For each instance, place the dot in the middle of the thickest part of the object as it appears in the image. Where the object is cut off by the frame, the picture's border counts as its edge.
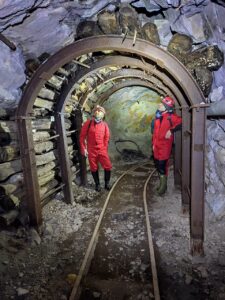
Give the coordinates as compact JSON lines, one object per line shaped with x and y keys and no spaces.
{"x":99,"y":115}
{"x":161,"y":107}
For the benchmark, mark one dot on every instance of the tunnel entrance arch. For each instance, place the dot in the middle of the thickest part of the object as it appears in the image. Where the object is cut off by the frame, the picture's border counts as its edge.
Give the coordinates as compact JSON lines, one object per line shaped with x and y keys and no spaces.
{"x":191,"y":103}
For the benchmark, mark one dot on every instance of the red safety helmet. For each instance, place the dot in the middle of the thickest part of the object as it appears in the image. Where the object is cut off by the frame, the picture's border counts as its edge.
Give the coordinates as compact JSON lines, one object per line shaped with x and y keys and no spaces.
{"x":168,"y":102}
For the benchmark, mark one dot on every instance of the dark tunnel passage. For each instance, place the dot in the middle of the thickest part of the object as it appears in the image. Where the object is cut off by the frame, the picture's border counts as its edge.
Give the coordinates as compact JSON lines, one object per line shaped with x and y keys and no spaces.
{"x":95,"y":68}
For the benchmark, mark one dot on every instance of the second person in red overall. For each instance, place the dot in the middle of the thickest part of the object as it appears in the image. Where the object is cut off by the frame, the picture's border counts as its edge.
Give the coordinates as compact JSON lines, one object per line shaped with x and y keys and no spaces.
{"x":94,"y":140}
{"x":164,"y":125}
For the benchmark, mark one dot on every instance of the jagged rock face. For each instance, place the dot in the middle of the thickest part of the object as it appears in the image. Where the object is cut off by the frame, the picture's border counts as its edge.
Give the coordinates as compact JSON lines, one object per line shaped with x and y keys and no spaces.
{"x":108,"y":23}
{"x":87,"y":28}
{"x":46,"y":26}
{"x":180,"y":45}
{"x":210,"y":57}
{"x":128,"y":18}
{"x":151,"y":33}
{"x":12,"y":76}
{"x":215,"y":161}
{"x":43,"y":31}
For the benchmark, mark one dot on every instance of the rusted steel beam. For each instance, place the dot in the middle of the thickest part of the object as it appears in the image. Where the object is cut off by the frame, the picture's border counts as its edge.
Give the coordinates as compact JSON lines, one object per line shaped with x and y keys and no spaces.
{"x":177,"y":159}
{"x":7,"y":42}
{"x":186,"y":159}
{"x":129,"y":83}
{"x":122,"y":74}
{"x":64,"y":162}
{"x":198,"y":180}
{"x":82,"y":159}
{"x":102,"y":43}
{"x":151,"y":73}
{"x":31,"y":185}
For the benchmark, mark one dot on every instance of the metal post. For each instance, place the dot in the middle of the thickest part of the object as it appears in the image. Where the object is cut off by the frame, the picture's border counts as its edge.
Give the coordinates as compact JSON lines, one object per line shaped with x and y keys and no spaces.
{"x":197,"y":180}
{"x":177,"y":159}
{"x":64,"y":158}
{"x":31,"y":185}
{"x":186,"y":159}
{"x":82,"y":159}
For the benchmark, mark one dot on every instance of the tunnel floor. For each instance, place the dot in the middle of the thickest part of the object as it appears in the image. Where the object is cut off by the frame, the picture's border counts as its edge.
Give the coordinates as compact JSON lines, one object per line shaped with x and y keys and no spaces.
{"x":45,"y":265}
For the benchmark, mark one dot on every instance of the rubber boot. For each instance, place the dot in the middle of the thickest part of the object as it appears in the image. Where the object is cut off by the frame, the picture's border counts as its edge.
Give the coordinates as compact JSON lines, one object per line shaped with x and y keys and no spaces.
{"x":107,"y":179}
{"x":163,"y":185}
{"x":96,"y":180}
{"x":160,"y":180}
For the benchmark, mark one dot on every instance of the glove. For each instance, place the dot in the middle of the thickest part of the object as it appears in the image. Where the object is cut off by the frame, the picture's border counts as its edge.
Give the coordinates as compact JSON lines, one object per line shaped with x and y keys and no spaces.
{"x":168,"y":134}
{"x":85,"y":153}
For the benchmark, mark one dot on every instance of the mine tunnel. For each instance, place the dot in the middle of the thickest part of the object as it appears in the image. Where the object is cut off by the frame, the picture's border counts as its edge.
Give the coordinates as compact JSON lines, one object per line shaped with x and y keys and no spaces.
{"x":119,"y":60}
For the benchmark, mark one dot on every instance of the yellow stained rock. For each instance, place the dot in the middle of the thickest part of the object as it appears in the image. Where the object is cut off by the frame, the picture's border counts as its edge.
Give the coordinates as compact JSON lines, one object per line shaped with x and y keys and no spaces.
{"x":71,"y":278}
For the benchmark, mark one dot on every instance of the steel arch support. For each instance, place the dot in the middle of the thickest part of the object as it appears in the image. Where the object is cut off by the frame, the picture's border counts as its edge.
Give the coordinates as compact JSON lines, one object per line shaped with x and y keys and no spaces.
{"x":186,"y":160}
{"x":197,"y":180}
{"x":27,"y":154}
{"x":64,"y":161}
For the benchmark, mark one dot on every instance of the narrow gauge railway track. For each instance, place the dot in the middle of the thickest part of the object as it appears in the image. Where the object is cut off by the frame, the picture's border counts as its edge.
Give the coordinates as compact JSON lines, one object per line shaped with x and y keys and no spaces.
{"x":119,"y":262}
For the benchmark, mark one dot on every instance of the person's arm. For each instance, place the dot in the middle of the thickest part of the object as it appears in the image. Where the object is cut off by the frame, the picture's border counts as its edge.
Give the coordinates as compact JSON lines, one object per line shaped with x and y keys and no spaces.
{"x":107,"y":135}
{"x":83,"y":136}
{"x":176,"y":125}
{"x":177,"y":128}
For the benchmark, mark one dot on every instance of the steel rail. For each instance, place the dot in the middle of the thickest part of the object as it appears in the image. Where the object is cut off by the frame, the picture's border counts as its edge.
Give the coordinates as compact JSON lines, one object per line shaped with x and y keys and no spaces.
{"x":93,"y":241}
{"x":150,"y":242}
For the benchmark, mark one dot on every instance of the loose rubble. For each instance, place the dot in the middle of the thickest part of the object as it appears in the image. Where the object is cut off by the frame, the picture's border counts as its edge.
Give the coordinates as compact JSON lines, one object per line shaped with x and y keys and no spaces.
{"x":44,"y":264}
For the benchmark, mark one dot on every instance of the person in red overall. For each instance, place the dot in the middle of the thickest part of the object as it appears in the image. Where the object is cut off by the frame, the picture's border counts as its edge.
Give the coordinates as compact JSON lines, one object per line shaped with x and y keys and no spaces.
{"x":94,"y":139}
{"x":164,"y":125}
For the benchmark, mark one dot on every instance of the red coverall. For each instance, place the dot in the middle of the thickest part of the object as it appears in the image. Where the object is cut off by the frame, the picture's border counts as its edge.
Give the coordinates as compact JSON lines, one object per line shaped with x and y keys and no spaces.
{"x":162,"y":146}
{"x":97,"y":137}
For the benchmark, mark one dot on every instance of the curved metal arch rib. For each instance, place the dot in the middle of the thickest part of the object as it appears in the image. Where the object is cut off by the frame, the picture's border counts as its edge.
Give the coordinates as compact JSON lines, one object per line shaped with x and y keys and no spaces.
{"x":128,"y":74}
{"x":128,"y":83}
{"x":103,"y":43}
{"x":152,"y":74}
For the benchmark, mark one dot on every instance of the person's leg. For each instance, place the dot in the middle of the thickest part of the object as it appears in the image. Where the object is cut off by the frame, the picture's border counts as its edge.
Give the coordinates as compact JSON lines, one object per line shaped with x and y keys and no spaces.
{"x":156,"y":162}
{"x":107,"y":166}
{"x":107,"y":179}
{"x":94,"y":170}
{"x":162,"y":167}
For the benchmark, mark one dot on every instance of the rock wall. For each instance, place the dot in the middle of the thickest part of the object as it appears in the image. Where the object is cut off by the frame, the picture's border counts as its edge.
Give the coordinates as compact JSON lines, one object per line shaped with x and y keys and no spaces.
{"x":193,"y":31}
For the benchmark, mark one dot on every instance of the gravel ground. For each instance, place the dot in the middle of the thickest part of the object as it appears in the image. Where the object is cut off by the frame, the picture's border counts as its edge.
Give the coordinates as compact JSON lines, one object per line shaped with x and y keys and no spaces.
{"x":44,"y":265}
